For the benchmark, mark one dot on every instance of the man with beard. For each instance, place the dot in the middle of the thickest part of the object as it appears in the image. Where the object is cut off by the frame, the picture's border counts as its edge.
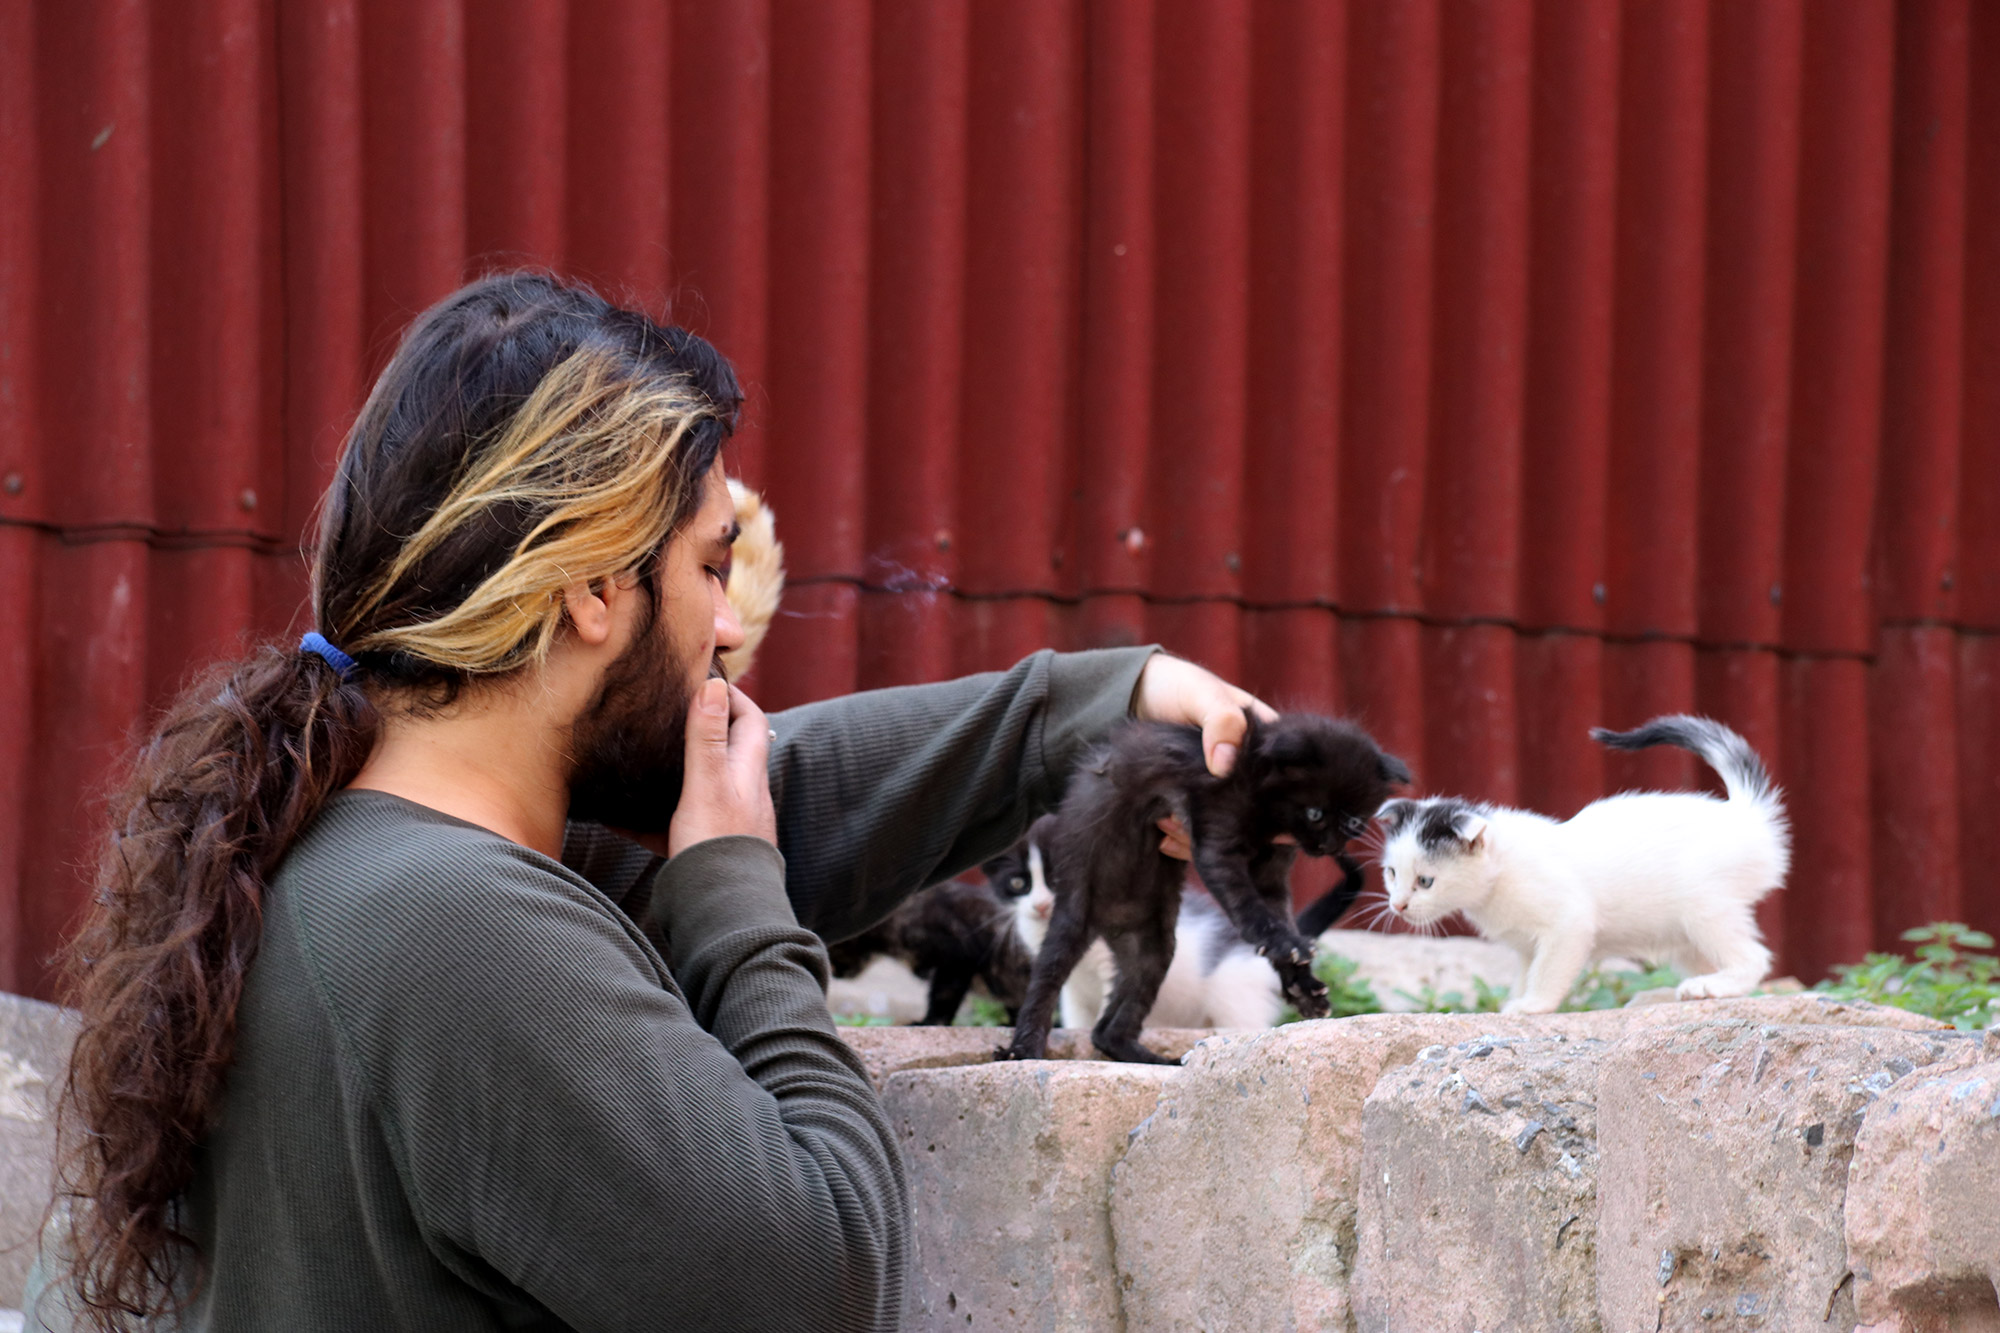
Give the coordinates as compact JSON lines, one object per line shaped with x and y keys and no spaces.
{"x":384,"y":1026}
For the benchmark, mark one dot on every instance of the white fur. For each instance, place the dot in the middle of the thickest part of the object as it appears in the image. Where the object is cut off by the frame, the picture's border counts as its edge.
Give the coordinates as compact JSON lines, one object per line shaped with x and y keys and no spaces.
{"x":1665,"y":876}
{"x":1241,"y":992}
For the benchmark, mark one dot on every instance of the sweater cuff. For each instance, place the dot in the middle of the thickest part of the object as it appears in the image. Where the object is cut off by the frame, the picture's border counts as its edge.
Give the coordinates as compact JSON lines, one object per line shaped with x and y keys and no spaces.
{"x":717,"y":887}
{"x":1089,"y":694}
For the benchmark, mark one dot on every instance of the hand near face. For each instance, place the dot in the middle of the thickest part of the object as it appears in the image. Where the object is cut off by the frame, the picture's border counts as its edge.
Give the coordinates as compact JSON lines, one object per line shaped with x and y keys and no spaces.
{"x":1172,"y":689}
{"x":726,"y":788}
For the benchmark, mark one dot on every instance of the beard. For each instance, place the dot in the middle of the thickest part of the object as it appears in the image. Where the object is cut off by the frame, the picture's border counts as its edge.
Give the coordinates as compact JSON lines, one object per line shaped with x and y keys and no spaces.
{"x":630,"y":744}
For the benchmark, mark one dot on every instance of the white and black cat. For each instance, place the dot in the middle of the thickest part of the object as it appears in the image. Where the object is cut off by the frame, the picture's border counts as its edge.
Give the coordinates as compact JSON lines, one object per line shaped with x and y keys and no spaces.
{"x":1214,"y":981}
{"x":1663,"y":876}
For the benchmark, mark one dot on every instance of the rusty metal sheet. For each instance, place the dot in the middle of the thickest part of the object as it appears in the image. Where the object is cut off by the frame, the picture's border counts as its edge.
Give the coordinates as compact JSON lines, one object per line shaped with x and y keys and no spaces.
{"x":1484,"y":371}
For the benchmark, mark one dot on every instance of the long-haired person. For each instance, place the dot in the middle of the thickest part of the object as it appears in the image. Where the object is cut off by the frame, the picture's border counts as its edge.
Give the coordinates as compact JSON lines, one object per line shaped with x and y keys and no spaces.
{"x":384,"y":1027}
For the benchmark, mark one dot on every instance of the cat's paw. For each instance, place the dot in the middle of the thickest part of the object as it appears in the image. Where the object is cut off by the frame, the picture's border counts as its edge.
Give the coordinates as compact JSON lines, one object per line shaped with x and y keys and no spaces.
{"x":1010,"y":1053}
{"x":1528,"y":1005}
{"x":1710,"y":988}
{"x":1310,"y":999}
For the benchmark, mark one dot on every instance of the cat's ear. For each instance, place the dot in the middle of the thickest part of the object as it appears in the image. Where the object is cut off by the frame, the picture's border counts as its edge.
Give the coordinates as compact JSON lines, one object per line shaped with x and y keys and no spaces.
{"x":1393,"y":769}
{"x":1395,"y":813}
{"x":1470,"y":829}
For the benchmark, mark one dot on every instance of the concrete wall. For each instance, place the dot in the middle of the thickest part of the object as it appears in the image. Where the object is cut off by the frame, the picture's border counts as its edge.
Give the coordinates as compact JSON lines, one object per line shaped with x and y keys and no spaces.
{"x":1781,"y":1163}
{"x":1778,"y":1163}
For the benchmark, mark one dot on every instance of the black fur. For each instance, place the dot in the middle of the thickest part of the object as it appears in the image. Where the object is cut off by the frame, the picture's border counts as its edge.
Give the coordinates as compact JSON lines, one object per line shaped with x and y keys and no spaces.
{"x":1332,"y":905}
{"x":1725,"y":751}
{"x":1311,"y":777}
{"x":951,"y":935}
{"x":1441,"y":821}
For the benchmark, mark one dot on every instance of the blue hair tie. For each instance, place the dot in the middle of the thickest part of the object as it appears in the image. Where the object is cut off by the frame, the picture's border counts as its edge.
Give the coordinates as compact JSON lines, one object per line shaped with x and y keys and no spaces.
{"x":315,"y":642}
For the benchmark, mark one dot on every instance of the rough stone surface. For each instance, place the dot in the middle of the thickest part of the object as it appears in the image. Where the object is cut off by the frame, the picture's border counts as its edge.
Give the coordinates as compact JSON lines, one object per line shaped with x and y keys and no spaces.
{"x":1400,"y":966}
{"x":1724,"y":1149}
{"x":34,"y":1047}
{"x":1010,"y":1168}
{"x":886,"y":1051}
{"x":1923,"y":1203}
{"x":1478,"y":1189}
{"x":1260,"y":1138}
{"x":884,"y":989}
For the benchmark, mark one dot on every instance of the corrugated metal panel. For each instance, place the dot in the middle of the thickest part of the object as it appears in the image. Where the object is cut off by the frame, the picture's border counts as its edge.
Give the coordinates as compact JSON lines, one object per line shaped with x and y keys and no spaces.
{"x":1487,"y":369}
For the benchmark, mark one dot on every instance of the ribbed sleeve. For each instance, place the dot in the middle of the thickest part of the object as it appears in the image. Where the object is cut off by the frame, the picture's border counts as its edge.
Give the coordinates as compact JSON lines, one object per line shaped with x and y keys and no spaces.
{"x":884,"y":792}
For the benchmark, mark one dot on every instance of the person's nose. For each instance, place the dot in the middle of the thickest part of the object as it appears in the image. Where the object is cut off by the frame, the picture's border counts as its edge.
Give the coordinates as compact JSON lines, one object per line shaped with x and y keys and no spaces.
{"x":728,"y":629}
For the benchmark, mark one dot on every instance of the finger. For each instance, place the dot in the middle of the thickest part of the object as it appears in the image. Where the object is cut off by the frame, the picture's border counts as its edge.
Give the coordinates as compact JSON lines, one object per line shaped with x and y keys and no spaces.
{"x":1264,"y":711}
{"x":749,"y":730}
{"x":1222,"y":738}
{"x":1176,"y":842}
{"x":708,"y":729}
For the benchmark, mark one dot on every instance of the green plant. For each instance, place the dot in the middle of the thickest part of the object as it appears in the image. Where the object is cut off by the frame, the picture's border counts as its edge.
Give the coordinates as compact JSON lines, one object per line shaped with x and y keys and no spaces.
{"x":1953,"y":977}
{"x":982,"y":1011}
{"x":863,"y":1021}
{"x":1485,"y":999}
{"x":1599,"y":989}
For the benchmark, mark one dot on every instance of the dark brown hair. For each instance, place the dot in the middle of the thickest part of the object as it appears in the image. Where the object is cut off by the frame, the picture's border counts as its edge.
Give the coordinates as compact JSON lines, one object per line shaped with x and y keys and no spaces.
{"x":526,"y":433}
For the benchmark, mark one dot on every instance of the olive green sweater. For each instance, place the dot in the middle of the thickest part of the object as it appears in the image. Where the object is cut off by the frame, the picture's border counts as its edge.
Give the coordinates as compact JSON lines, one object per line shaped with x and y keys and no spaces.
{"x":478,"y":1089}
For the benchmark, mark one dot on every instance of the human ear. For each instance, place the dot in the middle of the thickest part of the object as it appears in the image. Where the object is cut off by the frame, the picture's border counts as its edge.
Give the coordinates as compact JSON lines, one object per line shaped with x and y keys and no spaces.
{"x":588,"y":610}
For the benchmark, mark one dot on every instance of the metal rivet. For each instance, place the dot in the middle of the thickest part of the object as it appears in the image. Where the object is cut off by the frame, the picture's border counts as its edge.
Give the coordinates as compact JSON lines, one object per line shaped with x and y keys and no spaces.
{"x":1233,"y":563}
{"x":1134,"y":539}
{"x":248,"y":499}
{"x":1597,"y":593}
{"x":13,"y":484}
{"x":943,"y":539}
{"x":1946,"y":581}
{"x":1777,"y":594}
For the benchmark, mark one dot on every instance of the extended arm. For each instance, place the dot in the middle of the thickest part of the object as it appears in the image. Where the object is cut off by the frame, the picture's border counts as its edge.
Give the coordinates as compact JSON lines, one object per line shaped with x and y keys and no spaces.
{"x":881,"y":793}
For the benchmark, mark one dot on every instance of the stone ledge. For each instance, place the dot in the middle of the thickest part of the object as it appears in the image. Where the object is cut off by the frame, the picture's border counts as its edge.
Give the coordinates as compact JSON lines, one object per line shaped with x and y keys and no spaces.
{"x":1923,"y":1201}
{"x":1262,"y":1136}
{"x":886,"y":1051}
{"x":34,"y":1051}
{"x":1725,"y":1149}
{"x":1010,"y":1169}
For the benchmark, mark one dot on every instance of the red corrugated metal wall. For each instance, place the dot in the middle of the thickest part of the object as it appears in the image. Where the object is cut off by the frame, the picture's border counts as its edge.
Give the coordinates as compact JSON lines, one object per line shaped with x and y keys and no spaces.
{"x":1487,"y":369}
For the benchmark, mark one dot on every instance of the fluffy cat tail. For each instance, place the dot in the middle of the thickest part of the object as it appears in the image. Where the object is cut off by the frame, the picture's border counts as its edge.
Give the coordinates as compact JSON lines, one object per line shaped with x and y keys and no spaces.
{"x":756,"y":575}
{"x":1743,"y":773}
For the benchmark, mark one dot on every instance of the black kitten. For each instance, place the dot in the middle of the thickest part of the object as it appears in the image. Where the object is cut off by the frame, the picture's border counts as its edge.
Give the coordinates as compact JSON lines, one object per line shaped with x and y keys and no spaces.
{"x":1312,"y":778}
{"x":951,"y":935}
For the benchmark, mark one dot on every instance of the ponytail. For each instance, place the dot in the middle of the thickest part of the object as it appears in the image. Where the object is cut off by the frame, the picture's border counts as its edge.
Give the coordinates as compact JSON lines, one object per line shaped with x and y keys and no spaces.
{"x":240,"y":764}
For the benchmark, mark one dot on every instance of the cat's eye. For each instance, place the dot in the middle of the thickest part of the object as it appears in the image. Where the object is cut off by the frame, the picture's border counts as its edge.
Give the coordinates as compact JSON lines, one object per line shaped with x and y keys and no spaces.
{"x":1315,"y":815}
{"x":1388,"y":872}
{"x":1425,"y":881}
{"x":1355,"y":824}
{"x":1018,"y":883}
